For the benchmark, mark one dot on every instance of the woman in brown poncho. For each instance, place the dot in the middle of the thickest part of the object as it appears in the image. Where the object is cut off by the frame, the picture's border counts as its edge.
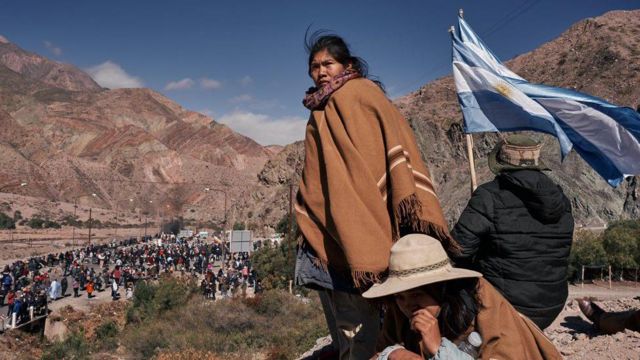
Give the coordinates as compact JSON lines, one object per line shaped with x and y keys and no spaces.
{"x":363,"y":186}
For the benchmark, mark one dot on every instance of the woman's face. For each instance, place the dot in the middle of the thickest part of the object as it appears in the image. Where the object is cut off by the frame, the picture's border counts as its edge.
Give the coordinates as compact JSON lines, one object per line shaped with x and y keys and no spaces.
{"x":324,"y":67}
{"x":415,"y":299}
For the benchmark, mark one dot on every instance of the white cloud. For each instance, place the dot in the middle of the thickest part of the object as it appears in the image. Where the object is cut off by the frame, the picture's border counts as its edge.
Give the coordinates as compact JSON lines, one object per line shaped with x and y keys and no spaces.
{"x":112,"y":76}
{"x":55,"y":50}
{"x":246,"y":81}
{"x":210,"y":84}
{"x":265,"y":129}
{"x":183,"y":84}
{"x":241,"y":99}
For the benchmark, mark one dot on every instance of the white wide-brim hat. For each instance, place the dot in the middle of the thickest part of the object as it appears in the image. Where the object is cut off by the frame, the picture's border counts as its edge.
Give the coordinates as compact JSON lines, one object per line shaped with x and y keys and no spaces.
{"x":417,"y":260}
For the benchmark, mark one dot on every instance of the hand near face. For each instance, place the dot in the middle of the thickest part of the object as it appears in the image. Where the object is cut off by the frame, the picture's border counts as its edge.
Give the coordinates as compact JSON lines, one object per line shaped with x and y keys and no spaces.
{"x":424,"y":323}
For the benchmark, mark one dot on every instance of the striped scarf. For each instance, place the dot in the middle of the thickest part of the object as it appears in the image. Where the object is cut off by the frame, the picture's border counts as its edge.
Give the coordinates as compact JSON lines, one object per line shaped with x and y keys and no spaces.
{"x":364,"y":184}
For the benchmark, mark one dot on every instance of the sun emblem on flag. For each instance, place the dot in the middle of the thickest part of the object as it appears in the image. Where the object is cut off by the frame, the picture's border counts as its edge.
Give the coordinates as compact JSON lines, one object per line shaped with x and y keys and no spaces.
{"x":503,"y":89}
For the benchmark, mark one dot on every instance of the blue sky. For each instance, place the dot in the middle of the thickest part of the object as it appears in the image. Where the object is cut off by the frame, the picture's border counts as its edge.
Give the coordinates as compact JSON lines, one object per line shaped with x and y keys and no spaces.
{"x":244,"y":63}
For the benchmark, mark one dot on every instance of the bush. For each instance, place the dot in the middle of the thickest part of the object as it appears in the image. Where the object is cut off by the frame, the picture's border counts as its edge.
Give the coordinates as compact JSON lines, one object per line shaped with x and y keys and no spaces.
{"x":274,"y":266}
{"x":150,"y":300}
{"x":586,"y":250}
{"x":273,"y":324}
{"x":106,"y":330}
{"x":6,"y":222}
{"x":621,"y":243}
{"x":38,"y":223}
{"x":618,"y":246}
{"x":106,"y":336}
{"x":74,"y":347}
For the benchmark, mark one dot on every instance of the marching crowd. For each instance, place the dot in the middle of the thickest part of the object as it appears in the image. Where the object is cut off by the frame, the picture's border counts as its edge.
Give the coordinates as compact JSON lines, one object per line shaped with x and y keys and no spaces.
{"x":27,"y":285}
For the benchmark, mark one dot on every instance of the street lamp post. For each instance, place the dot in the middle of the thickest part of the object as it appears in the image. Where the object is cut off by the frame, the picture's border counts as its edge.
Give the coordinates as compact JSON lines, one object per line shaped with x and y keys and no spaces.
{"x":91,"y":220}
{"x":224,"y":225}
{"x":73,"y":231}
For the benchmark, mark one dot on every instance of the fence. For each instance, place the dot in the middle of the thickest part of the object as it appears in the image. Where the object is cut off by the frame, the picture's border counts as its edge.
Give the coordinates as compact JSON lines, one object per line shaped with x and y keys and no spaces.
{"x":589,"y":273}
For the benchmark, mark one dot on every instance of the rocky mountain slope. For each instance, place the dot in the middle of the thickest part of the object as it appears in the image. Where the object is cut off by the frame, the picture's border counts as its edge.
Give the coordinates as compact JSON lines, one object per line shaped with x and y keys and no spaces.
{"x":68,"y":138}
{"x":599,"y":56}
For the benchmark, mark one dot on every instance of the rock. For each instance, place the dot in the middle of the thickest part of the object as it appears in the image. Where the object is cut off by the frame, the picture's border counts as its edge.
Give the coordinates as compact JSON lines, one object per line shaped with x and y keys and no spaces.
{"x":55,"y":330}
{"x":579,"y":336}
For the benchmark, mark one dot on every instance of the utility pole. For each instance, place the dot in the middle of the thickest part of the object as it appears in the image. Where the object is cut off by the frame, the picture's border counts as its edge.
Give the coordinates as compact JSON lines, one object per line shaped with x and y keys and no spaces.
{"x":90,"y":224}
{"x":290,"y":209}
{"x":73,"y":231}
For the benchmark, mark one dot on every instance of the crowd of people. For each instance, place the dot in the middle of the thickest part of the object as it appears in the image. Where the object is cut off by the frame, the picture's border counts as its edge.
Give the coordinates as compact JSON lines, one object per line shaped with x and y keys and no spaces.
{"x":28,"y":285}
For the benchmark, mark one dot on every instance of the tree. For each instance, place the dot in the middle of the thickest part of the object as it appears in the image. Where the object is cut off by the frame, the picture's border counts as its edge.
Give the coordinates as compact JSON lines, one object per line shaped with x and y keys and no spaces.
{"x":238,"y":226}
{"x":275,"y":265}
{"x":283,"y":226}
{"x":621,"y":246}
{"x":586,"y":250}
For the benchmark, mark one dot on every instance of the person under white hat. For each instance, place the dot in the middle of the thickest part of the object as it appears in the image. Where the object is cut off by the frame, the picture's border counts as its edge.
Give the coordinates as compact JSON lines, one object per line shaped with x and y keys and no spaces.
{"x":438,"y":311}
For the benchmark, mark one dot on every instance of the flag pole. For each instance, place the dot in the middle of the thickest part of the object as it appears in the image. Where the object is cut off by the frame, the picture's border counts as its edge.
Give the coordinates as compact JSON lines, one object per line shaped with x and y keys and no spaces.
{"x":469,"y":137}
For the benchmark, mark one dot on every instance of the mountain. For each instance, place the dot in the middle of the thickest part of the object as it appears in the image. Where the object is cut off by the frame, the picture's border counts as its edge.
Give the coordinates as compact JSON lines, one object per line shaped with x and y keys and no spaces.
{"x":599,"y":56}
{"x":69,"y":138}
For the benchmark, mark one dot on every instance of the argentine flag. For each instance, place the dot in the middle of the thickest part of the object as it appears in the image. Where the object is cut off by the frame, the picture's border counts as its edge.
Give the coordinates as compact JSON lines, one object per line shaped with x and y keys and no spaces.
{"x":493,"y":98}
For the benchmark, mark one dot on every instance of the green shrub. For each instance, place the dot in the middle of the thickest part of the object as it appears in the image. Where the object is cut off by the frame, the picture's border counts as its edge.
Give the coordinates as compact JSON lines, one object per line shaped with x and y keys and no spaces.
{"x":106,"y":336}
{"x":106,"y":330}
{"x":621,"y":245}
{"x":73,"y":347}
{"x":6,"y":222}
{"x":38,"y":223}
{"x":275,"y":324}
{"x":586,"y":250}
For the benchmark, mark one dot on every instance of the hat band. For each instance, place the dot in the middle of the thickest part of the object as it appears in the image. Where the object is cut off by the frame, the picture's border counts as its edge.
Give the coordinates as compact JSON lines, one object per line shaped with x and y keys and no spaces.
{"x":435,"y":266}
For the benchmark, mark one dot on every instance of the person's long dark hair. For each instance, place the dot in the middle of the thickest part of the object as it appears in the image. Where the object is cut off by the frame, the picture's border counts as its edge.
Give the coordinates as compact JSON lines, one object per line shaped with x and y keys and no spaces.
{"x":336,"y":46}
{"x":459,"y":305}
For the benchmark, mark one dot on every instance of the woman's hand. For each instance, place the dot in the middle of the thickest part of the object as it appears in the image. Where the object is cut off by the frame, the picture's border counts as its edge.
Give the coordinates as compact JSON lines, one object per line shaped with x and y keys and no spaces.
{"x":426,"y":325}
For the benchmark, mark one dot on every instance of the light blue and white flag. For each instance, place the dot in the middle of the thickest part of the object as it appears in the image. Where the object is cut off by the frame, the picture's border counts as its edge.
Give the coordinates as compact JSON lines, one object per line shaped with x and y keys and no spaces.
{"x":493,"y":98}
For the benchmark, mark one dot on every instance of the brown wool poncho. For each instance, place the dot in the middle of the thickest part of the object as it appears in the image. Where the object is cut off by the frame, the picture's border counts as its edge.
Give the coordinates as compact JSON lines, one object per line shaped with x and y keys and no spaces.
{"x":364,"y":183}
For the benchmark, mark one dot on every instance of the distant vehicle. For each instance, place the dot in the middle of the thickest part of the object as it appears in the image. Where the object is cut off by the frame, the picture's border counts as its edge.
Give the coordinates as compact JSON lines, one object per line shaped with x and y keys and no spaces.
{"x":185,"y":233}
{"x":203,"y":234}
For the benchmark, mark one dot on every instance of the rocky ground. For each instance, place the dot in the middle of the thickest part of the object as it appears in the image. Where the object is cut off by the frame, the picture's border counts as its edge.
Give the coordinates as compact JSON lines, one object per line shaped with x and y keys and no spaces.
{"x":572,"y":333}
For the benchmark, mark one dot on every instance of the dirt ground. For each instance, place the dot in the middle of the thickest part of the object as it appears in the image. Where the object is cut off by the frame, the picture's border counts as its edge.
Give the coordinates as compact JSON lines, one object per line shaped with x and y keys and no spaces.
{"x":572,"y":333}
{"x":576,"y":337}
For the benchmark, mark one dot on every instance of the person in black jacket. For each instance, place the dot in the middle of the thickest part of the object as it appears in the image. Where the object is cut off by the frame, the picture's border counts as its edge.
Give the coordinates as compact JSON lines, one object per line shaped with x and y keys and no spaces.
{"x":517,"y":231}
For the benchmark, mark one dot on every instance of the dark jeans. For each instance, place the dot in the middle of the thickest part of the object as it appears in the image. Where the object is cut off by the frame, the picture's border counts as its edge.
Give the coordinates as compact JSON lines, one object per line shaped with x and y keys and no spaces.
{"x":75,"y":292}
{"x":613,"y":322}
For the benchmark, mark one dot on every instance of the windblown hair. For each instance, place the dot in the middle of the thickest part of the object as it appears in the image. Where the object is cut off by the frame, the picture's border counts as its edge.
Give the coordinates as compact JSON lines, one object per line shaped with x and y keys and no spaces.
{"x":459,"y":305}
{"x":336,"y":46}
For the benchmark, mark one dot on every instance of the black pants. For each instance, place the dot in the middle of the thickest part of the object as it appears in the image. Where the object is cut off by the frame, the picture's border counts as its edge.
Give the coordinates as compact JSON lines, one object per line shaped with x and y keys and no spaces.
{"x":75,"y":292}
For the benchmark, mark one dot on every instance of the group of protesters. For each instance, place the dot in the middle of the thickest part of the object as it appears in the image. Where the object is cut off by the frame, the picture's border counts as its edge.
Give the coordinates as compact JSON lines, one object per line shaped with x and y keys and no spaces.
{"x":26,"y":285}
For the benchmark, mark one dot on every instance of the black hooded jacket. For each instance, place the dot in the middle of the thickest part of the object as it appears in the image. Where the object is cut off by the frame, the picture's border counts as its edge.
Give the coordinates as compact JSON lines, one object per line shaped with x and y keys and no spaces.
{"x":517,"y":231}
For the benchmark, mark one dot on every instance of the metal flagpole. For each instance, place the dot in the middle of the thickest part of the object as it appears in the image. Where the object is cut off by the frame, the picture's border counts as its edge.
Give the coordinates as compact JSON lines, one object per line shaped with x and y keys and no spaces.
{"x":469,"y":137}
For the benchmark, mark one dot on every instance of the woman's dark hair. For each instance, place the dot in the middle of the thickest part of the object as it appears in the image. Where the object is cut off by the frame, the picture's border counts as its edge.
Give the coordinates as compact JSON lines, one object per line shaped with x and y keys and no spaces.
{"x":459,"y":305}
{"x":336,"y":46}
